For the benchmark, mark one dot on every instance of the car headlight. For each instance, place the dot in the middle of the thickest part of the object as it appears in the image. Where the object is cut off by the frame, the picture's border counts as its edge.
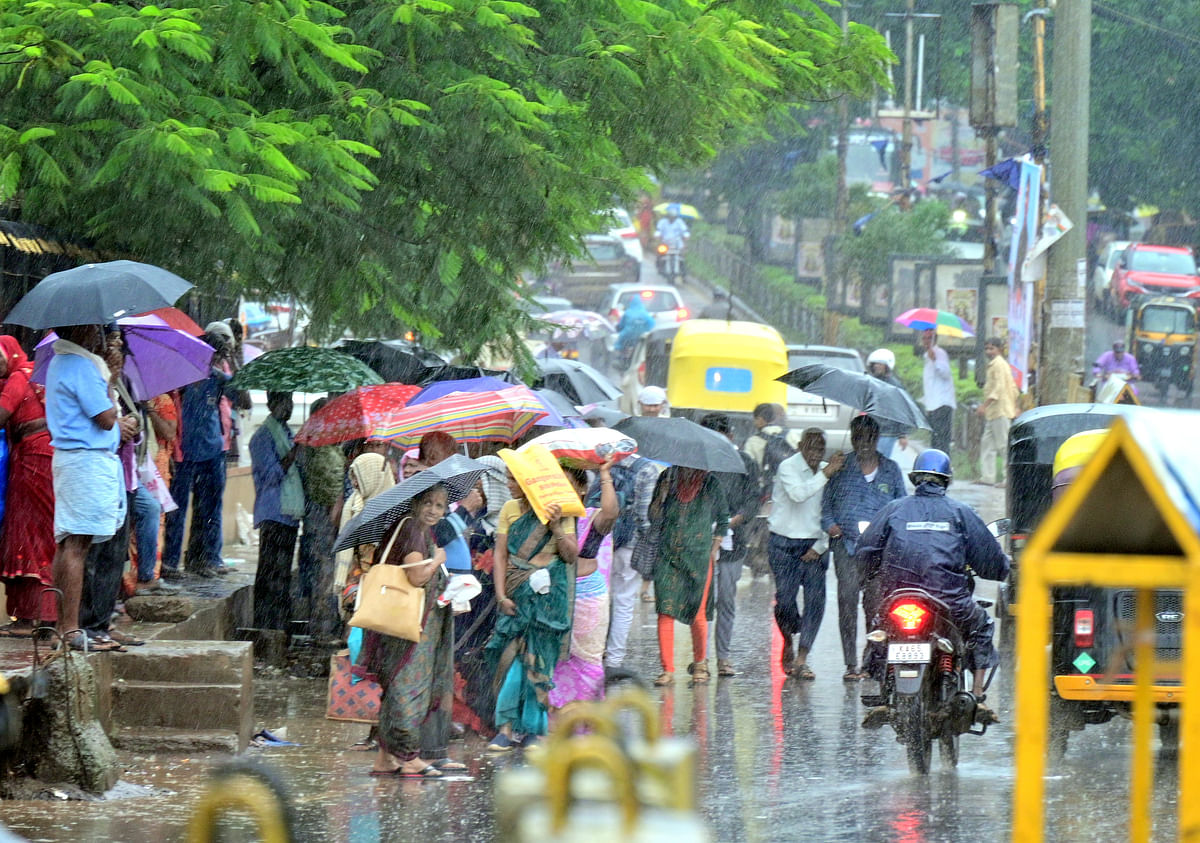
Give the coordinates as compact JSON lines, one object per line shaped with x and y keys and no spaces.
{"x":1185,"y":351}
{"x":1147,"y":348}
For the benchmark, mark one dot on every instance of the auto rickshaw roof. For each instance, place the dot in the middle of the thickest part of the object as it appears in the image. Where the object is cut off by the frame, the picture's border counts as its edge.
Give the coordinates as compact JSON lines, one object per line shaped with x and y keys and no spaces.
{"x":1138,"y":496}
{"x":734,"y":339}
{"x":1037,"y":434}
{"x":1167,"y":301}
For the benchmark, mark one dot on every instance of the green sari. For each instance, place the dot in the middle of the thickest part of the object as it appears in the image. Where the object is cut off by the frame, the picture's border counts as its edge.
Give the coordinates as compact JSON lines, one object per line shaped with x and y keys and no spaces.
{"x":526,"y":647}
{"x":685,"y":545}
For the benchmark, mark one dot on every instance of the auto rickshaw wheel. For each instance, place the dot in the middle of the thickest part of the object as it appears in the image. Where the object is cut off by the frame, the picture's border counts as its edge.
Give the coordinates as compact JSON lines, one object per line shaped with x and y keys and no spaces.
{"x":1063,"y":716}
{"x":1168,"y":735}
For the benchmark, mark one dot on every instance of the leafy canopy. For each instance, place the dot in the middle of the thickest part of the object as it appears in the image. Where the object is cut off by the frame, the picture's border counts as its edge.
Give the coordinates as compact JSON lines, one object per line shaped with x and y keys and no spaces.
{"x":391,"y":163}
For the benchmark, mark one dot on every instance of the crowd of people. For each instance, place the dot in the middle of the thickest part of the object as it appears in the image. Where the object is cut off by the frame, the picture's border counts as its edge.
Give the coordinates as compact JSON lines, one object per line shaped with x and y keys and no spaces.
{"x":91,"y":469}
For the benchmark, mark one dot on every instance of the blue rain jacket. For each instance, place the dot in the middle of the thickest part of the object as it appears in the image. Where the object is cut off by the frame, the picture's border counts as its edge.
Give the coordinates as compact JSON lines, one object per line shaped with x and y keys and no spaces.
{"x":927,"y":540}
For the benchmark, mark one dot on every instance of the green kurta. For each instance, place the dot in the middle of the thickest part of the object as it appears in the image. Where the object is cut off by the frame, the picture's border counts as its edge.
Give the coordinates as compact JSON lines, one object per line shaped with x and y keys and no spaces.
{"x":688,"y":530}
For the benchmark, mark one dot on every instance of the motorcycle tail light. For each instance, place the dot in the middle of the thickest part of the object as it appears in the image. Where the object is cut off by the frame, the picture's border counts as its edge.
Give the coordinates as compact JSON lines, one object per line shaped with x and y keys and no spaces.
{"x":614,"y":315}
{"x":1085,"y":627}
{"x":681,"y":314}
{"x":663,"y":248}
{"x":910,"y":617}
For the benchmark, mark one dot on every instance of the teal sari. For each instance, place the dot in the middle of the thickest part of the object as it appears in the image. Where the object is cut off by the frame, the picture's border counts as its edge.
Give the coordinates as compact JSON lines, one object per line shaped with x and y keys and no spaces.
{"x":526,"y":647}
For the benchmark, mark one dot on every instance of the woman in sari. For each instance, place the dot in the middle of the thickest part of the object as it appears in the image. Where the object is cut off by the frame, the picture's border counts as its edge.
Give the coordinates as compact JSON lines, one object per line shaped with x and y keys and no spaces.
{"x":581,"y":677}
{"x":417,"y":678}
{"x":369,"y":476}
{"x":27,"y":547}
{"x":691,"y":516}
{"x":534,"y":582}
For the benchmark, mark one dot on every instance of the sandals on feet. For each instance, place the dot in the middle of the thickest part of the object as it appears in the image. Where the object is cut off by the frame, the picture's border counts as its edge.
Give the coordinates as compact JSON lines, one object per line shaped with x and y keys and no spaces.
{"x":852,"y":674}
{"x":427,"y":772}
{"x":664,"y":679}
{"x":125,"y":639}
{"x":445,"y":764}
{"x":15,"y":631}
{"x":699,"y":672}
{"x":803,"y":671}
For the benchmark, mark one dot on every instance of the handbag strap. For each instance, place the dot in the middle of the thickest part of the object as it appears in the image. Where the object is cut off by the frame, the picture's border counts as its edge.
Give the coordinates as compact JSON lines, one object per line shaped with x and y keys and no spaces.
{"x":387,"y":551}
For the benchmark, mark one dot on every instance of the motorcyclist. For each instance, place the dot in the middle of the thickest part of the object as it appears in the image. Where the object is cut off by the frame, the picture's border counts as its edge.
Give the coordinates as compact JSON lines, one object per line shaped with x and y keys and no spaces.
{"x":672,"y":229}
{"x":1116,"y":360}
{"x":635,"y":322}
{"x":927,"y":540}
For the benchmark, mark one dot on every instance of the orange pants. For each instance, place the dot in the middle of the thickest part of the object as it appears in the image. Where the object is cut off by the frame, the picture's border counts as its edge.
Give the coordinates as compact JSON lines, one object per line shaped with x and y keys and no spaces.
{"x":666,"y":632}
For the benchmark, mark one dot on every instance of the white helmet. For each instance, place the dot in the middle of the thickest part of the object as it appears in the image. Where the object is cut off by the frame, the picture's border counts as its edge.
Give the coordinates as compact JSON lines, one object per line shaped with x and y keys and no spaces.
{"x":884,"y":356}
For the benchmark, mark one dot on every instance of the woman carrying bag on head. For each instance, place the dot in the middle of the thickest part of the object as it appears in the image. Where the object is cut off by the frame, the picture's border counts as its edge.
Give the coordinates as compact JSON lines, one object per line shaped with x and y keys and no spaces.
{"x":417,"y":678}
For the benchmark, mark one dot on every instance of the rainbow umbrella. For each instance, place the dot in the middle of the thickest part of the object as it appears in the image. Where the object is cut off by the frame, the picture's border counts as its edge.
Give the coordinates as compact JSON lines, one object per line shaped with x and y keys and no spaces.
{"x":932,"y":319}
{"x":494,"y":416}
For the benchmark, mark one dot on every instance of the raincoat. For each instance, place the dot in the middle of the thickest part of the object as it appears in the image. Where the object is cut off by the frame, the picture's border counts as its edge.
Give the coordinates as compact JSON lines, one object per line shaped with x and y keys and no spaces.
{"x":927,"y":540}
{"x":635,"y":322}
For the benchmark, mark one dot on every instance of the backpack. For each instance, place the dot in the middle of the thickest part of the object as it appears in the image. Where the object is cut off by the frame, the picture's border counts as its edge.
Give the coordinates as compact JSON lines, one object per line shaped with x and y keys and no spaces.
{"x":775,"y":451}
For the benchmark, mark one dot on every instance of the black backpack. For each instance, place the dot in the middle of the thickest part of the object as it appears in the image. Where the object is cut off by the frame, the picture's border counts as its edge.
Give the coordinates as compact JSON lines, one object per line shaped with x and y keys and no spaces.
{"x":775,"y":451}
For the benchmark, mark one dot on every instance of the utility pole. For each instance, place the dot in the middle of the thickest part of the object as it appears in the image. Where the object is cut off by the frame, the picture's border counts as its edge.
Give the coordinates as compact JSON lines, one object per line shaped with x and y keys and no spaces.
{"x":906,"y":131}
{"x":841,"y":200}
{"x":1061,"y":351}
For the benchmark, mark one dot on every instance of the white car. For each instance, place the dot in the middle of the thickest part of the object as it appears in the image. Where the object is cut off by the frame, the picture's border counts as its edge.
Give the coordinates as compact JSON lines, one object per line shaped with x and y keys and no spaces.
{"x":664,"y":302}
{"x":806,"y":410}
{"x":623,"y":227}
{"x":1102,"y":273}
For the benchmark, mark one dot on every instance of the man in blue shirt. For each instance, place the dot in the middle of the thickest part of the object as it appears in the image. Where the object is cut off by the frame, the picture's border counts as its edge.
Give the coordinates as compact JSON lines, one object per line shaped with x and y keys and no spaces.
{"x":278,"y":508}
{"x":89,"y":488}
{"x":867,"y":482}
{"x":202,"y":470}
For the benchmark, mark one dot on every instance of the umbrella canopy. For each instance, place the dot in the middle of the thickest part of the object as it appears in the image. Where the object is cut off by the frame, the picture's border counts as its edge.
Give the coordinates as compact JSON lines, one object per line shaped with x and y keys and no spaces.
{"x":861,"y":391}
{"x":178,"y":320}
{"x":681,"y":442}
{"x":441,"y":389}
{"x":578,"y":323}
{"x":500,"y":416}
{"x":396,"y":361}
{"x":160,"y":357}
{"x":96,"y":294}
{"x":604,"y":414}
{"x":459,"y":373}
{"x":581,"y":383}
{"x":932,"y":319}
{"x":688,"y":212}
{"x":305,"y":369}
{"x":355,"y":414}
{"x":457,"y":473}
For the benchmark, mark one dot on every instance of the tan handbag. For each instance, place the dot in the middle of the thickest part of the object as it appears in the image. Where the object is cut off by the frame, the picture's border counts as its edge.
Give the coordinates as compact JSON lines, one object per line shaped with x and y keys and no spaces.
{"x":387,"y":602}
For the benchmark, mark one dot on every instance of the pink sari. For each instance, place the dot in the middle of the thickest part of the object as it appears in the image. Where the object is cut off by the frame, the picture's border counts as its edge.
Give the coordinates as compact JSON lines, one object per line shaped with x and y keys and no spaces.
{"x":581,"y":676}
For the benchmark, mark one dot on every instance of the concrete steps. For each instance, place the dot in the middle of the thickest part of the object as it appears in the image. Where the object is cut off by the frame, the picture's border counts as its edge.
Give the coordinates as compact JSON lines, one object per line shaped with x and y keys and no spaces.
{"x":181,"y":696}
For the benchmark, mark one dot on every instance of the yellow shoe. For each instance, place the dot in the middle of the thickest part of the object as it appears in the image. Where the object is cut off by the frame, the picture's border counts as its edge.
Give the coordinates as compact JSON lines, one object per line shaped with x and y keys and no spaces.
{"x":664,"y":679}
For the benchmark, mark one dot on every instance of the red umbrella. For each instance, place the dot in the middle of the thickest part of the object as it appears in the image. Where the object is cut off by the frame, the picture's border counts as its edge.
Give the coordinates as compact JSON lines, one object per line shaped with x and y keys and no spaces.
{"x":355,"y":414}
{"x":179,"y":320}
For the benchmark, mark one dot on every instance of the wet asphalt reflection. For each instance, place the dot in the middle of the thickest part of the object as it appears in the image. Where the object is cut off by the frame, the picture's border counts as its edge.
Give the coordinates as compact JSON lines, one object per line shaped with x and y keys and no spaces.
{"x":777,"y":759}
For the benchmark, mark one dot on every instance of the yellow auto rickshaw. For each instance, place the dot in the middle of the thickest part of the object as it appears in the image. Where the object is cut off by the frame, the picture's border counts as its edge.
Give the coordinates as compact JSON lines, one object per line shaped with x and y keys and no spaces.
{"x":1162,"y":337}
{"x":725,"y":366}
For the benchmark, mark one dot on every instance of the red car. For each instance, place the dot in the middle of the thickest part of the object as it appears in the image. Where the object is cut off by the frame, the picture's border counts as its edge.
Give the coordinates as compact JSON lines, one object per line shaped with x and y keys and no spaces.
{"x":1154,"y":270}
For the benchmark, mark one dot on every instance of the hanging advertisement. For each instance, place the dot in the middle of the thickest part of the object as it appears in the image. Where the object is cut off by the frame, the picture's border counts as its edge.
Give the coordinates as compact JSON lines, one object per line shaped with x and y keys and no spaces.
{"x":1021,"y":293}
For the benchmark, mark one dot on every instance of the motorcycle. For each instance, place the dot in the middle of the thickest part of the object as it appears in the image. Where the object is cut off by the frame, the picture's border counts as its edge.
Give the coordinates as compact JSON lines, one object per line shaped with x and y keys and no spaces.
{"x":669,"y":263}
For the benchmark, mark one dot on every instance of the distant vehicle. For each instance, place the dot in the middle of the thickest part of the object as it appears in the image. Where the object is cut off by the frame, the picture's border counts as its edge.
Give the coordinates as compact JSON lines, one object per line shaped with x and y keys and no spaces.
{"x":649,"y":364}
{"x":585,"y":281}
{"x":806,"y":410}
{"x":545,"y":304}
{"x":622,"y":227}
{"x":579,"y":382}
{"x":1102,"y":273}
{"x":1145,"y":269}
{"x":664,"y":302}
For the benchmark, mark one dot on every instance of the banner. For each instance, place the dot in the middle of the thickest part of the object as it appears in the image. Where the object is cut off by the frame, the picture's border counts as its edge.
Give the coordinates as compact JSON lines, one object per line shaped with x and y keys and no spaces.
{"x":1021,"y":293}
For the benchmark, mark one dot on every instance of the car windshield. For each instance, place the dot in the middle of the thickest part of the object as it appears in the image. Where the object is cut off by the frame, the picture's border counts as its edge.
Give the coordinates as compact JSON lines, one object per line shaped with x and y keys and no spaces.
{"x":606,"y":251}
{"x":1113,"y":257}
{"x":845,"y":362}
{"x":656,"y":301}
{"x":621,"y":218}
{"x":1169,"y":263}
{"x":1167,"y":320}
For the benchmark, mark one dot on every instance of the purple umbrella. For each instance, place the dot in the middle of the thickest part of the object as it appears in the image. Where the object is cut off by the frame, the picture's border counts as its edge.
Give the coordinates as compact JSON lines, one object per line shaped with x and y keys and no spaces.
{"x":160,"y":358}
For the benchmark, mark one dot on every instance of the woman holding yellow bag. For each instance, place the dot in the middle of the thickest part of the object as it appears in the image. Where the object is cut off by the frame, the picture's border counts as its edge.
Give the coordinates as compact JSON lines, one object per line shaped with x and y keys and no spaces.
{"x":417,"y":677}
{"x":534,"y":579}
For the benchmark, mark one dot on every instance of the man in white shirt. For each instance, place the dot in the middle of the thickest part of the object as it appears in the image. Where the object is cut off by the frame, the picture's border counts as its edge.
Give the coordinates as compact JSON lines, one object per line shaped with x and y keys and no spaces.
{"x":939,"y":398}
{"x":797,"y":546}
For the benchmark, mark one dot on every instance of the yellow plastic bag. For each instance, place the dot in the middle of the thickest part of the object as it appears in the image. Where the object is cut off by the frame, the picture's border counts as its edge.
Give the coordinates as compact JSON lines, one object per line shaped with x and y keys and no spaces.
{"x":542,"y":480}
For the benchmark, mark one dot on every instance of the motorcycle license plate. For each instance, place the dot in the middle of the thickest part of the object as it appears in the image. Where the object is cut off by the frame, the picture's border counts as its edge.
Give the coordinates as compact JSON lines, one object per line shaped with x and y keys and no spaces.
{"x":910,"y":652}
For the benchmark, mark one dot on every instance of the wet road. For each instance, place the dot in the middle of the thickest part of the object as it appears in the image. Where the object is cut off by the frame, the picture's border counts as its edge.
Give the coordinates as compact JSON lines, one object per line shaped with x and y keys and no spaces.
{"x":777,"y":759}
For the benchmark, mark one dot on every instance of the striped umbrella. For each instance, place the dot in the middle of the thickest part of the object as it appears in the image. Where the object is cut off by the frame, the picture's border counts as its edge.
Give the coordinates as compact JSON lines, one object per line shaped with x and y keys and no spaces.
{"x":495,"y":416}
{"x":355,"y":414}
{"x":932,"y":319}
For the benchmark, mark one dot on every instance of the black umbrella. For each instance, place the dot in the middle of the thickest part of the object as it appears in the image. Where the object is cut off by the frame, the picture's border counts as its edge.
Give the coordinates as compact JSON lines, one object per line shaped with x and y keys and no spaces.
{"x":861,"y":391}
{"x":396,"y":361}
{"x":681,"y":442}
{"x":457,"y":473}
{"x":96,"y":294}
{"x":606,"y":415}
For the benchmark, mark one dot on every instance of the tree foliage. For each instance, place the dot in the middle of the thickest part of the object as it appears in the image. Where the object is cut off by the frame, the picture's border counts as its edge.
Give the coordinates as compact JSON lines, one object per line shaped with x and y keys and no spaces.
{"x":389,"y":162}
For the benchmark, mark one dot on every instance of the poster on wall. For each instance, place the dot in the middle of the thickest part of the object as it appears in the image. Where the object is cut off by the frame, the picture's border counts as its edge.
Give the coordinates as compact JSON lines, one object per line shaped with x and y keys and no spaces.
{"x":1021,"y":293}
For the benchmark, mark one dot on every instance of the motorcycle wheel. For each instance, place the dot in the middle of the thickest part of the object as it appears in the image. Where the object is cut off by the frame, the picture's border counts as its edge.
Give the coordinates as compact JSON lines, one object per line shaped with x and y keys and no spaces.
{"x":914,"y":729}
{"x":948,"y":744}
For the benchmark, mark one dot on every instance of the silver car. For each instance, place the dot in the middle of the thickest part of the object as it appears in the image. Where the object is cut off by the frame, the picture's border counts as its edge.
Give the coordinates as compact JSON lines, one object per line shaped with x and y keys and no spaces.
{"x":806,"y":410}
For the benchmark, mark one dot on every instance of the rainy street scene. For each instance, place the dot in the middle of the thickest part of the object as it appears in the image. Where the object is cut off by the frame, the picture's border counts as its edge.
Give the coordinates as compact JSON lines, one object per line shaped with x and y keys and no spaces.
{"x":479,"y":420}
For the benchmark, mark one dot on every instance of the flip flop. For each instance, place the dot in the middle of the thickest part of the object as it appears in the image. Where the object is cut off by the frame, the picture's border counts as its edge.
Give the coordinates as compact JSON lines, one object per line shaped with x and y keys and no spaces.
{"x":125,"y":639}
{"x":13,"y":631}
{"x":429,"y":772}
{"x":447,"y":764}
{"x":803,"y":671}
{"x":383,"y":774}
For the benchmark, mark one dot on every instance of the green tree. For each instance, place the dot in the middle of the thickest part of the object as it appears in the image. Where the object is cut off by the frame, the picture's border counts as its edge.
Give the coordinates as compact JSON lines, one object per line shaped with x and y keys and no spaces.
{"x":393,"y":162}
{"x":919,"y":231}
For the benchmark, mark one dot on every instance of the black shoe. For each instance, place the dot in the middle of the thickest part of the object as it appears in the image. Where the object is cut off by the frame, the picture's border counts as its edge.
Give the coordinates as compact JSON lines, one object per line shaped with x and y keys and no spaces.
{"x":172,"y":574}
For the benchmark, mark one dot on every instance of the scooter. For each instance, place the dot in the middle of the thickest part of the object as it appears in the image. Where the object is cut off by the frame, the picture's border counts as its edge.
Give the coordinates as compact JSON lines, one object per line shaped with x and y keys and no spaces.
{"x":670,"y":263}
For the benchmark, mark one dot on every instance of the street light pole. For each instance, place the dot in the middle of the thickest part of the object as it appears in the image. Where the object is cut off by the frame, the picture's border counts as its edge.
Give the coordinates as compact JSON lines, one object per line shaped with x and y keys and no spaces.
{"x":1061,"y":352}
{"x":906,"y":130}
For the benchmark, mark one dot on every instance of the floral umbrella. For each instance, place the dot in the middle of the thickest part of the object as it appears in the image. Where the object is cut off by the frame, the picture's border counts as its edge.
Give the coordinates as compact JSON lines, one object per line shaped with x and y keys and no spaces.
{"x":494,"y":416}
{"x":930,"y":319}
{"x":305,"y":369}
{"x":355,"y":414}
